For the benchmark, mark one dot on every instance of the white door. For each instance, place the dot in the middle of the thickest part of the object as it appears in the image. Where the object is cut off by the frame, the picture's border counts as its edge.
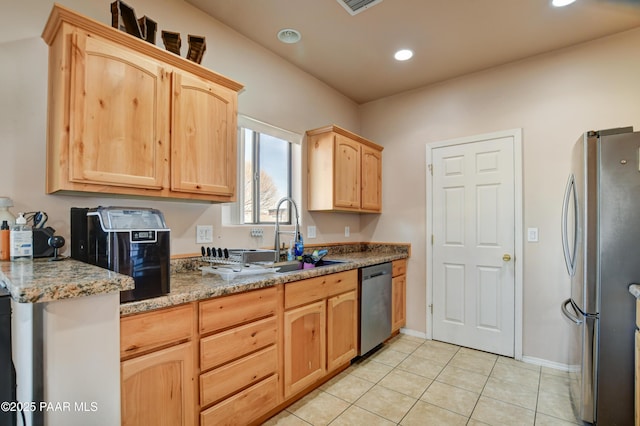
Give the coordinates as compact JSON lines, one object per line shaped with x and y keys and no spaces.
{"x":473,"y":245}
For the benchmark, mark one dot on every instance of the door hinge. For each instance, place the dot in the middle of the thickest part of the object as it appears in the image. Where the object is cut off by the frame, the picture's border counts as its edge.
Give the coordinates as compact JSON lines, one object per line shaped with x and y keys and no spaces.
{"x":431,"y":307}
{"x":432,"y":239}
{"x":430,"y":166}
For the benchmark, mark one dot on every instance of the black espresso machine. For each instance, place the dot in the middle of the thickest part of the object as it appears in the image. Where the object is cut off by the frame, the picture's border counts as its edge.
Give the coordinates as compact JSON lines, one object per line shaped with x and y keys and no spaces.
{"x":128,"y":240}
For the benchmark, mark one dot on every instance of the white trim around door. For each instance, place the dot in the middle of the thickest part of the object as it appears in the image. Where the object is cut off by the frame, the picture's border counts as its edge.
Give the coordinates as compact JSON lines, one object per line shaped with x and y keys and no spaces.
{"x":516,"y":134}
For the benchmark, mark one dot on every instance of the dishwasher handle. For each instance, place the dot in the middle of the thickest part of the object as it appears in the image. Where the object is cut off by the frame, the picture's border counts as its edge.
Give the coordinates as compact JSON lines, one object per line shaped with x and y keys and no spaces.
{"x":376,"y":274}
{"x":376,"y":271}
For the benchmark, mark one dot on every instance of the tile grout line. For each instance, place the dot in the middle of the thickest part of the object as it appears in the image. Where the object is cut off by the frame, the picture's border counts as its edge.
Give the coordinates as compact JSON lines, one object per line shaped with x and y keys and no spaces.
{"x":370,"y":359}
{"x":395,"y":367}
{"x":482,"y":391}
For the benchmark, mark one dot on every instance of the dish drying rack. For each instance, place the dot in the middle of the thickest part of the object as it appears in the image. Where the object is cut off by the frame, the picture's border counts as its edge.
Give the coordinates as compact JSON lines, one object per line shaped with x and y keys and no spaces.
{"x":236,"y":262}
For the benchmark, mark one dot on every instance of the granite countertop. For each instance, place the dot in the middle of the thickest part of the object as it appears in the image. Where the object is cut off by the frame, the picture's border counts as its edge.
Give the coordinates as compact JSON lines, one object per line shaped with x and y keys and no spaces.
{"x":39,"y":280}
{"x":189,"y":284}
{"x":634,"y":289}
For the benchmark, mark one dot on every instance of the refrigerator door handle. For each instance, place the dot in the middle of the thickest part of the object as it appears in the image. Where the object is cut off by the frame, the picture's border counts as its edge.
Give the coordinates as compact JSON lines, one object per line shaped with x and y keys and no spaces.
{"x":573,"y":318}
{"x":569,"y":257}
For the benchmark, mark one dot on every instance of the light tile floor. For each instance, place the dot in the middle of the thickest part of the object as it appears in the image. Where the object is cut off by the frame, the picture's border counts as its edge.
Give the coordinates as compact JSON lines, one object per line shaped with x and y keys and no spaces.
{"x":411,"y":381}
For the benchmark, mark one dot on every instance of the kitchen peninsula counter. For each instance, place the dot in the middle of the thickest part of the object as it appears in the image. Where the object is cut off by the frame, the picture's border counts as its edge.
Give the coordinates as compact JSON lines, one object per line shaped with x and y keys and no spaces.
{"x":66,"y":337}
{"x":39,"y":280}
{"x":188,"y":283}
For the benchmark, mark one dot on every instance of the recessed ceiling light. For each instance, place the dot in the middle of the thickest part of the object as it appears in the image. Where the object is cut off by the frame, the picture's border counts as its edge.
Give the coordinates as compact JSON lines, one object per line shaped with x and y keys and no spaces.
{"x":403,"y":55}
{"x":562,"y":3}
{"x":289,"y":35}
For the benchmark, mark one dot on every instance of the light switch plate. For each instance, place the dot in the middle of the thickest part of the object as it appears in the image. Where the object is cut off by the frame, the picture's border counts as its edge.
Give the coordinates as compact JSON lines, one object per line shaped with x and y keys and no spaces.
{"x":204,"y":234}
{"x":532,"y":235}
{"x":311,"y":231}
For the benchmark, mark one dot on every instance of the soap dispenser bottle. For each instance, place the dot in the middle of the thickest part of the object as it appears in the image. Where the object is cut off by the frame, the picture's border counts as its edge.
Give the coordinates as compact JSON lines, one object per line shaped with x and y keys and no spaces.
{"x":21,"y":239}
{"x":299,"y":245}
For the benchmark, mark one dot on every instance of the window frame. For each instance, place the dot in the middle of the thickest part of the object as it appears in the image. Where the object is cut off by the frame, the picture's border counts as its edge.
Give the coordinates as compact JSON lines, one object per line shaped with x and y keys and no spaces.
{"x":236,"y":214}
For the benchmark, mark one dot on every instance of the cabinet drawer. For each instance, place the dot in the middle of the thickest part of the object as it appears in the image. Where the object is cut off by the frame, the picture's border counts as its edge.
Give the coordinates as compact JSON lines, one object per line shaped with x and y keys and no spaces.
{"x":230,"y":378}
{"x":231,"y":344}
{"x":142,"y":332}
{"x":224,"y":312}
{"x":398,"y":267}
{"x":244,"y":407}
{"x":307,"y":291}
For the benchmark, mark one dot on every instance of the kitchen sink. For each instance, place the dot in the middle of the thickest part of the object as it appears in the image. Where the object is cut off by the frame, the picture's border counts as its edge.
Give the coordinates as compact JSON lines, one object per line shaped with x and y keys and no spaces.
{"x":298,"y":266}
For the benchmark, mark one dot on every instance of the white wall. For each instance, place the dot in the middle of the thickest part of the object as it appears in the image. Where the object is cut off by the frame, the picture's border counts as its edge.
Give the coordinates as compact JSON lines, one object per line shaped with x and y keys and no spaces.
{"x":275,"y":92}
{"x":554,"y":98}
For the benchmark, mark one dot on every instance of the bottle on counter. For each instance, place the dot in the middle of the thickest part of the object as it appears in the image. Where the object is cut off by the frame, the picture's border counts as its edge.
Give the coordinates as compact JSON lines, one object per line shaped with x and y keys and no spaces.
{"x":291,"y":251}
{"x":21,"y":239}
{"x":5,"y":241}
{"x":299,"y":246}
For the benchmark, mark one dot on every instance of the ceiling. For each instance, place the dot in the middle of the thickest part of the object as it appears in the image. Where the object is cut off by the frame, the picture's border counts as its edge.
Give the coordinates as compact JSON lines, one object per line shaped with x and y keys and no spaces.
{"x":450,"y":38}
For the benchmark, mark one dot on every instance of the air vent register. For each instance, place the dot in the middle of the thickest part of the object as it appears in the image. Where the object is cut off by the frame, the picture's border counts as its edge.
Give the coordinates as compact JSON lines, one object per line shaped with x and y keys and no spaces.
{"x":356,"y":6}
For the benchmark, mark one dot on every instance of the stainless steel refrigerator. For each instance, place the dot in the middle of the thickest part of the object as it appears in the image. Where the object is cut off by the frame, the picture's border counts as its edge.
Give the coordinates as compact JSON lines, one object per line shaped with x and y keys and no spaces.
{"x":601,"y":243}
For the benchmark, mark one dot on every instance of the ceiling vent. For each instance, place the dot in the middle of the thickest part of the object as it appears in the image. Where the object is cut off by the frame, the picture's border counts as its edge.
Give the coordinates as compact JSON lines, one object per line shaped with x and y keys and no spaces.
{"x":356,"y":6}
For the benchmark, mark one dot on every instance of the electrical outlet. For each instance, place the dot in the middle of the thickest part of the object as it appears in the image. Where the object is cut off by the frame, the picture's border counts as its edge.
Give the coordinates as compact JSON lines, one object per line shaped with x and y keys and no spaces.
{"x":257,"y":232}
{"x":311,"y":231}
{"x":347,"y":231}
{"x":204,"y":234}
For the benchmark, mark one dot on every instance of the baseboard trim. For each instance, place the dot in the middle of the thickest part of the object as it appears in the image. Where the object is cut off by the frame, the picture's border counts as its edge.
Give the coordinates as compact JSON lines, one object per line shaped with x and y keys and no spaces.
{"x":527,"y":359}
{"x":548,"y":364}
{"x":413,"y":333}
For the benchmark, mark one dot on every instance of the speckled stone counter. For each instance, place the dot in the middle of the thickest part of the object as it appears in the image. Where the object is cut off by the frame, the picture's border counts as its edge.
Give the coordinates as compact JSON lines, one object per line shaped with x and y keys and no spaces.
{"x":189,"y":284}
{"x":42,"y":281}
{"x":634,"y":289}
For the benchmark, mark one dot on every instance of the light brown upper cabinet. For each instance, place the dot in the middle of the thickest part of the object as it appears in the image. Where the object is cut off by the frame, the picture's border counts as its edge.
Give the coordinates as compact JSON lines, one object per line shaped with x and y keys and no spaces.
{"x":129,"y":118}
{"x":204,"y":121}
{"x":344,"y":172}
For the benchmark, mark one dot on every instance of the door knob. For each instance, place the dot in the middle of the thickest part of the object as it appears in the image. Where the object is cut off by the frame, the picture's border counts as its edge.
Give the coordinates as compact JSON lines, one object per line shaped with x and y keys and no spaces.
{"x":506,"y":257}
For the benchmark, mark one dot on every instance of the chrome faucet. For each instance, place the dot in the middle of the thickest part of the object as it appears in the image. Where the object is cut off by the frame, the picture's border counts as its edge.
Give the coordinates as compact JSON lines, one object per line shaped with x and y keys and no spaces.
{"x":295,"y":232}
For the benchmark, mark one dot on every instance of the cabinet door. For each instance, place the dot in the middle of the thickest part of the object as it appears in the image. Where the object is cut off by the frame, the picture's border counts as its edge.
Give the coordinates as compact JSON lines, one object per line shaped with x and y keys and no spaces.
{"x":371,"y":179}
{"x":118,"y":116}
{"x":203,"y":137}
{"x":158,"y":388}
{"x":398,"y":302}
{"x":305,"y":346}
{"x":342,"y":329}
{"x":346,"y":173}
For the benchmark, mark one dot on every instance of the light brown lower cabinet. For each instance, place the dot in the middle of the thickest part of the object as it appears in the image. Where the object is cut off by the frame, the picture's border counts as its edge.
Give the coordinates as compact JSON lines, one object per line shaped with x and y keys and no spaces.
{"x":320,"y":328}
{"x":157,"y":388}
{"x":304,"y":346}
{"x":236,"y":359}
{"x":157,"y":367}
{"x":239,"y":352}
{"x":342,"y":329}
{"x":398,"y":295}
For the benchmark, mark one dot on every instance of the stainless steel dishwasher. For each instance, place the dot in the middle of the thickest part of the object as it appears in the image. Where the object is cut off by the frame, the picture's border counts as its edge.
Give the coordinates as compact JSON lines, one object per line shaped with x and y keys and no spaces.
{"x":375,"y":306}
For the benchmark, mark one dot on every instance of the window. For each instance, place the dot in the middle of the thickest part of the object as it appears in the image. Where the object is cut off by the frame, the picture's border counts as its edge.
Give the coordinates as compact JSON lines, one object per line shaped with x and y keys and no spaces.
{"x":266,"y":171}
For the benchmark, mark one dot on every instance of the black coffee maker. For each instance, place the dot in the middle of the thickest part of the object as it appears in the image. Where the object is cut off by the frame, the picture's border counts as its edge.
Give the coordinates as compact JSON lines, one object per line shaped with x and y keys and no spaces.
{"x":128,"y":240}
